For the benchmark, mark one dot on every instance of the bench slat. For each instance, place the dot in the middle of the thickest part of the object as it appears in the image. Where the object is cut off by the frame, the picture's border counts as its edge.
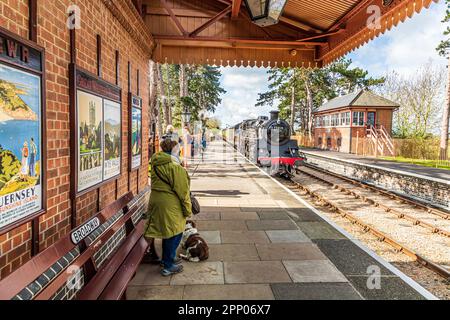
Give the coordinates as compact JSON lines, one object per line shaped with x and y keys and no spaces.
{"x":62,"y":278}
{"x":119,"y":283}
{"x":29,"y":272}
{"x":100,"y":281}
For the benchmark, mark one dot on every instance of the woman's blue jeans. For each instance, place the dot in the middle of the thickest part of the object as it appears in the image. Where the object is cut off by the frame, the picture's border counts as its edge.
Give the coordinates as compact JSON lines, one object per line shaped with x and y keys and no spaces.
{"x":169,"y":250}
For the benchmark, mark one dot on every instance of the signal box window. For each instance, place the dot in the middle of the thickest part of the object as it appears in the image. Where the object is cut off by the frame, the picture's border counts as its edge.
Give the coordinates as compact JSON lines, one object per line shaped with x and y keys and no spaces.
{"x":358,"y":118}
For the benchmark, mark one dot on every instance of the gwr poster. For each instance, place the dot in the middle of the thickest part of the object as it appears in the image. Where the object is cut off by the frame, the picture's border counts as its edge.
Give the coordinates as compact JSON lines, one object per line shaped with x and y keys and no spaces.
{"x":112,"y":139}
{"x":136,"y":137}
{"x":90,"y":141}
{"x":20,"y":145}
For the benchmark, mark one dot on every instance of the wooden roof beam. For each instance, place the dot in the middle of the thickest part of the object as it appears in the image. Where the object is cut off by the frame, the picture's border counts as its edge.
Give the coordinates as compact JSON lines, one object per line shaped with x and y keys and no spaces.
{"x":236,"y":8}
{"x":174,"y":18}
{"x":321,"y":35}
{"x":300,"y":25}
{"x":205,"y":40}
{"x":210,"y":22}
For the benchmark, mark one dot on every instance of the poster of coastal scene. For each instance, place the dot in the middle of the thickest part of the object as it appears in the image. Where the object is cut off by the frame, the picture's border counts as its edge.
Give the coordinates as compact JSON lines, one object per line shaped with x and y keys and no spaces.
{"x":90,"y":142}
{"x":136,"y":137}
{"x":20,"y":145}
{"x":113,"y":139}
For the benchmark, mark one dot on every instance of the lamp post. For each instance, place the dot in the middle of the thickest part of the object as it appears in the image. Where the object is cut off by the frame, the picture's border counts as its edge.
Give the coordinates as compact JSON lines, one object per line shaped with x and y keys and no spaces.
{"x":186,"y":116}
{"x":265,"y":12}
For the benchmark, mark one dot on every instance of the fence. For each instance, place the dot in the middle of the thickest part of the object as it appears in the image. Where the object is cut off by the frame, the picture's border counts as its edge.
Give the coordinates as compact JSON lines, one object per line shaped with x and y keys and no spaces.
{"x":420,"y":151}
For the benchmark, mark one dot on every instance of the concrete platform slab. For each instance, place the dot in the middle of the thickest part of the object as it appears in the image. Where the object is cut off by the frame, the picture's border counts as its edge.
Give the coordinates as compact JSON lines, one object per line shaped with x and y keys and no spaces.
{"x":229,"y":292}
{"x":341,"y":251}
{"x":256,"y":272}
{"x":289,"y":251}
{"x":155,"y":293}
{"x":207,"y":216}
{"x":287,"y":236}
{"x":391,"y":288}
{"x":211,"y":237}
{"x":273,"y":215}
{"x":319,"y":230}
{"x":304,"y":215}
{"x":221,"y":225}
{"x":239,"y":216}
{"x":314,"y":271}
{"x":314,"y":291}
{"x":149,"y":275}
{"x":264,"y":225}
{"x":244,"y":237}
{"x":199,"y":273}
{"x":233,"y":252}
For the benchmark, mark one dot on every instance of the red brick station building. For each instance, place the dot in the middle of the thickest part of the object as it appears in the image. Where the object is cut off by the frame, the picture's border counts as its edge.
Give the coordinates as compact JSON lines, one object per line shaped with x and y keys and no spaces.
{"x":75,"y":93}
{"x":341,"y":122}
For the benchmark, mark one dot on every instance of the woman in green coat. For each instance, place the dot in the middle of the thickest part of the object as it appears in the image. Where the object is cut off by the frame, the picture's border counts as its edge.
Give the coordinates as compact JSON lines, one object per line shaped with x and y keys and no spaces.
{"x":170,"y":204}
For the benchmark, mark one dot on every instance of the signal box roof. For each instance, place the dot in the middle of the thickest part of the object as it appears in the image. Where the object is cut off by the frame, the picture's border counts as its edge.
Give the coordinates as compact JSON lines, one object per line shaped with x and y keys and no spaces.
{"x":361,"y":98}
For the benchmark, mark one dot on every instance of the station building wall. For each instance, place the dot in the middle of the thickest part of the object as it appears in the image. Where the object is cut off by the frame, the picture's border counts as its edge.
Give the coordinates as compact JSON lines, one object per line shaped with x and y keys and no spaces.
{"x":53,"y":35}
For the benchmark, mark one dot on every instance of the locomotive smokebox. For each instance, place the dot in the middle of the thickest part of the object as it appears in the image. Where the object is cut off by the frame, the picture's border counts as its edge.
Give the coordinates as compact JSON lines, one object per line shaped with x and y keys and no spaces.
{"x":274,"y":115}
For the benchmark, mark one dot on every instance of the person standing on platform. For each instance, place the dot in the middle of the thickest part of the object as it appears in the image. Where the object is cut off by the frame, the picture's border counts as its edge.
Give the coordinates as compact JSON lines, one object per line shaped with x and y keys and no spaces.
{"x":25,"y":154}
{"x":170,"y":204}
{"x":33,"y":155}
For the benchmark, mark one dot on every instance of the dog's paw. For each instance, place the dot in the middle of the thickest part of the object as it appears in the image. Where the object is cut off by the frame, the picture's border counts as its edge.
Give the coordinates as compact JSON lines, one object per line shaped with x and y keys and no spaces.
{"x":196,"y":259}
{"x":184,"y":257}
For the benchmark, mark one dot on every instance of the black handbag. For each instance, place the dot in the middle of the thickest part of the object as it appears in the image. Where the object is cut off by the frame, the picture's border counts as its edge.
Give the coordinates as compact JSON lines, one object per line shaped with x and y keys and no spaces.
{"x":195,"y":204}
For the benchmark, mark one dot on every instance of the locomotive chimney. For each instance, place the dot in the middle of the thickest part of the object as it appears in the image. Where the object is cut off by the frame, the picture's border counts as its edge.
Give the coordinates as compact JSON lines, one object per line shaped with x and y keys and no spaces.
{"x":274,"y":115}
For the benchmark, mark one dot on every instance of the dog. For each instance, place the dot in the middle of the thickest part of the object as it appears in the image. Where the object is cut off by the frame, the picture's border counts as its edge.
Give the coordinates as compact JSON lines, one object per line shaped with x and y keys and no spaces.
{"x":196,"y":247}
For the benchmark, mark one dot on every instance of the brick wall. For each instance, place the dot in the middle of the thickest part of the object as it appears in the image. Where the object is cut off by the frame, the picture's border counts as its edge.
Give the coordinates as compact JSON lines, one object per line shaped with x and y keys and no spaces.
{"x":53,"y":35}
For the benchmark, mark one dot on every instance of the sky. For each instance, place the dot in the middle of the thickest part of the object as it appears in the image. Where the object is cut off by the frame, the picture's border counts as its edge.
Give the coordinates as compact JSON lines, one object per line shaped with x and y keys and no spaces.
{"x":403,"y":49}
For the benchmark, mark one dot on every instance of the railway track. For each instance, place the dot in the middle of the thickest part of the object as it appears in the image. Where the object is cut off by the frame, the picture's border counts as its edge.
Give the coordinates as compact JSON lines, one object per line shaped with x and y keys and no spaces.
{"x":382,"y":219}
{"x":350,"y":187}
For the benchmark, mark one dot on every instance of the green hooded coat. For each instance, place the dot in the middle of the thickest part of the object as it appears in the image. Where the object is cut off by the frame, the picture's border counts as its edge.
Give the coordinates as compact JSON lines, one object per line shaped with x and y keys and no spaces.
{"x":169,"y":208}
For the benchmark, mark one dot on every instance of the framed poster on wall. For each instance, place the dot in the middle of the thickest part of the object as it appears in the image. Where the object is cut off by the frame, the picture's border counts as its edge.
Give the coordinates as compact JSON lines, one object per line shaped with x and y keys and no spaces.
{"x":135,"y":136}
{"x":98,"y":130}
{"x":112,"y":138}
{"x":22,"y":132}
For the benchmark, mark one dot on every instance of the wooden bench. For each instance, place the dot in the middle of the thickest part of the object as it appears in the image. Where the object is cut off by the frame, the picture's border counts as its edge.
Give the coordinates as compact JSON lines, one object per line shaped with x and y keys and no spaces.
{"x":95,"y":261}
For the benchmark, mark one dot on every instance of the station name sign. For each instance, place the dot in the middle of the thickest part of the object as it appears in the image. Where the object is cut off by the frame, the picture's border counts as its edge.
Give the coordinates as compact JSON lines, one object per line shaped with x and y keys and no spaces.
{"x":19,"y":53}
{"x":85,"y":230}
{"x":91,"y":83}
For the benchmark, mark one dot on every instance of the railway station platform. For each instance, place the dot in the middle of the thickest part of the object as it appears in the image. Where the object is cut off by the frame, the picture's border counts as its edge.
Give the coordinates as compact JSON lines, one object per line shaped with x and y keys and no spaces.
{"x":430,"y":173}
{"x":266,"y":243}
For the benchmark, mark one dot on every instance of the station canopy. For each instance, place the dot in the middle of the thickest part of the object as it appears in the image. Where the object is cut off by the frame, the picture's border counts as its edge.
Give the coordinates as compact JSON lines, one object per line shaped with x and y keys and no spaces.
{"x":309,"y":33}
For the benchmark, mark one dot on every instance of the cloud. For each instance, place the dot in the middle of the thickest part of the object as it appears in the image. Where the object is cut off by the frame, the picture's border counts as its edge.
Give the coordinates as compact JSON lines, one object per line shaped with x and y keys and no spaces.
{"x":404,"y":49}
{"x":243,"y":85}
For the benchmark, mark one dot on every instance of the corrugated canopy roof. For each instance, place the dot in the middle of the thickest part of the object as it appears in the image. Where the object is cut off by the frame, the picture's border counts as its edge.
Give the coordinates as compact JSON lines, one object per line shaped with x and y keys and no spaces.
{"x":311,"y":33}
{"x":361,"y":98}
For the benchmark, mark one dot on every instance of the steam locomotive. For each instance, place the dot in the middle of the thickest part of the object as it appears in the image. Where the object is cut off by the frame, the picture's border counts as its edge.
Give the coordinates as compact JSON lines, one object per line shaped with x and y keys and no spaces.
{"x":267,"y":142}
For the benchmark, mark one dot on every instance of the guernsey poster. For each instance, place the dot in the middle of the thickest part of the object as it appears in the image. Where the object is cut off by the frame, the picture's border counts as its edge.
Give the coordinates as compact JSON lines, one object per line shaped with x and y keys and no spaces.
{"x":90,"y":142}
{"x":112,"y":115}
{"x":136,"y":137}
{"x":20,"y":145}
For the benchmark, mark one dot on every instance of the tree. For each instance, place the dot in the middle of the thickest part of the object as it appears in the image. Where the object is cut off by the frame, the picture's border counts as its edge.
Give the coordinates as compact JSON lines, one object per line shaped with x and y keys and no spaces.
{"x":420,"y":99}
{"x":154,"y":105}
{"x":443,"y":50}
{"x":301,"y":91}
{"x":193,"y":86}
{"x":163,"y":96}
{"x":213,"y":123}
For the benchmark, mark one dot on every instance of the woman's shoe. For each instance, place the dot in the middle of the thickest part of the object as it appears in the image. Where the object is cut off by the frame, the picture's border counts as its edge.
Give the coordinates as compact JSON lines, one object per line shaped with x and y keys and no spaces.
{"x":151,"y":259}
{"x":171,"y":271}
{"x":176,"y":261}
